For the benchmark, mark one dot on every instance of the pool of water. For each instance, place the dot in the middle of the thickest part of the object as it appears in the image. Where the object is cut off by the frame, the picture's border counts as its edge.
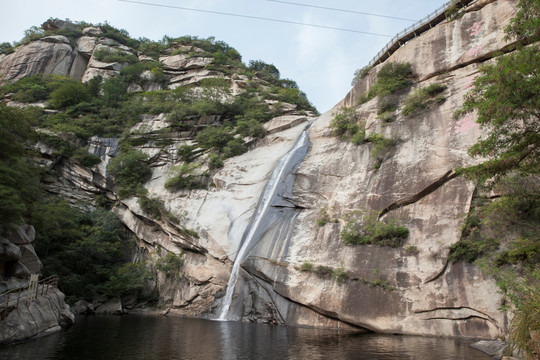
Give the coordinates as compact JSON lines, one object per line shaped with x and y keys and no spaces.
{"x":146,"y":337}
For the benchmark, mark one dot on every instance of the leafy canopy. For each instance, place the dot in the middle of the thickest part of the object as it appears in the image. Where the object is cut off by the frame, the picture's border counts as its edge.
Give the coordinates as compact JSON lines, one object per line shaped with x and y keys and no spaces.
{"x":505,"y":97}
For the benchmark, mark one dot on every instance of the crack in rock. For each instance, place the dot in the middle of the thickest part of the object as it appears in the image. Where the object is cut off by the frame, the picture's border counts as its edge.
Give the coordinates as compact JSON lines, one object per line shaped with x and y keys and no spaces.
{"x":449,"y":175}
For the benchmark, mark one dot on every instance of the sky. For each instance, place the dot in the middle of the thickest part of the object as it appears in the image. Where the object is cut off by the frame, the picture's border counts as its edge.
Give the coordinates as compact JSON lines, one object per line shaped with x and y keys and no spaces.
{"x":322,"y":61}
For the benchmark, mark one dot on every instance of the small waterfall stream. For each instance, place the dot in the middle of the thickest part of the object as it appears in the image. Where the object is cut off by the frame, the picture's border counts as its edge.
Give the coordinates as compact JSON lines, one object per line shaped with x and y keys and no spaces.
{"x":288,"y":163}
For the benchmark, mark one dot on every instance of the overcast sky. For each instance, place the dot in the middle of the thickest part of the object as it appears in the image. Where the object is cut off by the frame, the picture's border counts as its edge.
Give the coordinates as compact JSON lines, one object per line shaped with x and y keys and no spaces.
{"x":321,"y":61}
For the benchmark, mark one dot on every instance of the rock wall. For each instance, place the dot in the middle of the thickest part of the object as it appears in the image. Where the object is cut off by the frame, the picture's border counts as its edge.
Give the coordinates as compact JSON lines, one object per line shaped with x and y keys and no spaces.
{"x":419,"y":291}
{"x":47,"y":314}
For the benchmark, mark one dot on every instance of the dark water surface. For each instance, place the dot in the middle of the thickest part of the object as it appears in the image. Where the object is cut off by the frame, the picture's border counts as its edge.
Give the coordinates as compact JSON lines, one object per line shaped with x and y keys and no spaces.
{"x":137,"y":337}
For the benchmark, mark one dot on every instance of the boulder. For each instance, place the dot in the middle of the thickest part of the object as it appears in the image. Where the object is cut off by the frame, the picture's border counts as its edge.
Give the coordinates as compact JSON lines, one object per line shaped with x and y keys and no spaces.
{"x":49,"y":313}
{"x":82,"y":307}
{"x":51,"y":55}
{"x":183,"y":62}
{"x":92,"y":31}
{"x":494,"y":348}
{"x":86,"y":45}
{"x":59,"y":39}
{"x":17,"y":270}
{"x":22,"y":235}
{"x":9,"y":251}
{"x":281,"y":123}
{"x":111,"y":307}
{"x":30,"y":259}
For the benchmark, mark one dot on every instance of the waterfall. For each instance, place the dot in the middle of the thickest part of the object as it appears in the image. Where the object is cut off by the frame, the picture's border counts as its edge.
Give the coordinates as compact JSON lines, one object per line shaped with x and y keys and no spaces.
{"x":283,"y":168}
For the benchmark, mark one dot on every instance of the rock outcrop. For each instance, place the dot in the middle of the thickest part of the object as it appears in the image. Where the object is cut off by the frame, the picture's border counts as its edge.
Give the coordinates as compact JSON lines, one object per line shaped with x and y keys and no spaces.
{"x":49,"y":55}
{"x":47,"y":314}
{"x":409,"y":289}
{"x":18,"y":258}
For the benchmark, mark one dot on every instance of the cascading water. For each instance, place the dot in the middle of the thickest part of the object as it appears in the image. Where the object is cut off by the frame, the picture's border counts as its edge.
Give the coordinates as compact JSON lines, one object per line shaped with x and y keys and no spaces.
{"x":283,"y":168}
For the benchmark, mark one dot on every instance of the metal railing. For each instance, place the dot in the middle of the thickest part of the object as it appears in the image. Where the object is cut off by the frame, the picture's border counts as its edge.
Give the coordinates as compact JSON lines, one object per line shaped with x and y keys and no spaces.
{"x":12,"y":298}
{"x":413,"y":29}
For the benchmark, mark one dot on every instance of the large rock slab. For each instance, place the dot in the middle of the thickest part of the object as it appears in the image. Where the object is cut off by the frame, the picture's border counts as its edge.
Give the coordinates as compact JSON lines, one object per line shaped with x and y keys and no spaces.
{"x":184,"y":62}
{"x":49,"y":55}
{"x":49,"y":313}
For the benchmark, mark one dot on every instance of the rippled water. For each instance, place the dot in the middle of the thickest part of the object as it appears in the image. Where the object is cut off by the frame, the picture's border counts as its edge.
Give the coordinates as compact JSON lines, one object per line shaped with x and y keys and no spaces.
{"x":136,"y":337}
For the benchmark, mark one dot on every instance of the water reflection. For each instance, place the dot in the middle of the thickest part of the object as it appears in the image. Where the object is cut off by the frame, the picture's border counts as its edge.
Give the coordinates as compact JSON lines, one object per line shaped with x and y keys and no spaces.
{"x":150,"y":337}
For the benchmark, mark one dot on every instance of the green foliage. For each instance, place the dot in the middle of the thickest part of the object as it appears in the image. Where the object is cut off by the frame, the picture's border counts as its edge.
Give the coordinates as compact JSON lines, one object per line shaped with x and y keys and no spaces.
{"x":293,"y":96}
{"x":359,"y":74}
{"x":505,"y":97}
{"x":382,"y":147}
{"x":266,"y":71}
{"x":453,"y":13}
{"x":392,"y":77}
{"x":365,"y":228}
{"x":346,"y":125}
{"x":387,"y":117}
{"x":324,"y":271}
{"x":186,"y":152}
{"x":250,"y":127}
{"x":68,"y":94}
{"x":470,"y":249}
{"x":34,"y":88}
{"x":128,"y":280}
{"x":6,"y":48}
{"x":120,"y":35}
{"x":221,"y":140}
{"x":132,"y":73}
{"x":108,"y":55}
{"x":155,"y":207}
{"x":214,"y":137}
{"x":191,"y":233}
{"x":214,"y":161}
{"x":185,"y":177}
{"x":306,"y":266}
{"x":130,"y":170}
{"x":340,"y":275}
{"x":19,"y":181}
{"x":386,"y":104}
{"x":524,"y":293}
{"x":32,"y":34}
{"x":151,"y":48}
{"x":114,"y":91}
{"x":525,"y":26}
{"x":422,"y":98}
{"x":411,"y":250}
{"x":86,"y":159}
{"x":525,"y":250}
{"x":83,"y":249}
{"x":171,"y":264}
{"x":324,"y":218}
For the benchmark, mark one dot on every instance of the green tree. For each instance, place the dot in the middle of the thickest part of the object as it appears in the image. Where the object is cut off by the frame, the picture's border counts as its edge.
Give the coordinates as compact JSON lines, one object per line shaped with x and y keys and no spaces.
{"x":506,"y":99}
{"x":525,"y":26}
{"x":69,"y":94}
{"x":114,"y":91}
{"x":83,"y":249}
{"x":19,"y":180}
{"x":130,"y":170}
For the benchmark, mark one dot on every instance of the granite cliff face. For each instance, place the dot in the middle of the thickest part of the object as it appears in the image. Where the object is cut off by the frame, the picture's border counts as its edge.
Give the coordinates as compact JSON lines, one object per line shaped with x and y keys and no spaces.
{"x":419,"y":291}
{"x":411,"y":289}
